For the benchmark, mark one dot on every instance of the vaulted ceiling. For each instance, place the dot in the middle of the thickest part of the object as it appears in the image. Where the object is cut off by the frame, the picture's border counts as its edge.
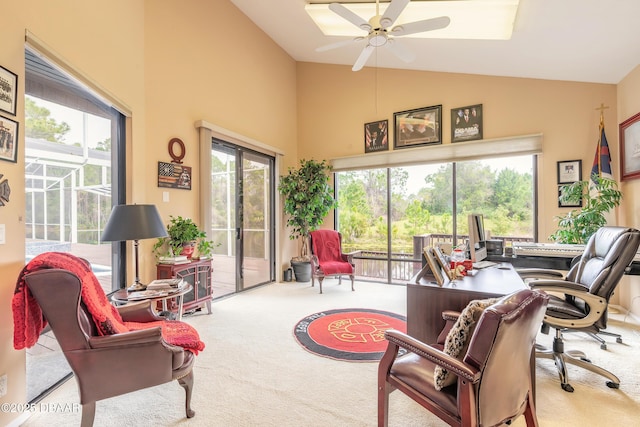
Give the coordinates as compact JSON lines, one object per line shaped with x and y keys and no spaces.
{"x":576,"y":40}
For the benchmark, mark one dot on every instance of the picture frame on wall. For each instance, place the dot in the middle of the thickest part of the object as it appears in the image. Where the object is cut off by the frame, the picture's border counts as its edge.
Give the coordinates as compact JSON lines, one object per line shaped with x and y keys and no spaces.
{"x":466,"y":123}
{"x":569,"y":171}
{"x":8,"y":91}
{"x":376,"y":136}
{"x":8,"y":140}
{"x":421,"y":126}
{"x":630,"y":148}
{"x":562,"y":204}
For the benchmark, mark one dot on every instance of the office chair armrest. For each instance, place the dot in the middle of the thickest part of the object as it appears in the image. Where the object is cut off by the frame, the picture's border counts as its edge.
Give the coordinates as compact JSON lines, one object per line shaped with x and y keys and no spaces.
{"x":597,"y":305}
{"x":558,"y":286}
{"x":539,"y":273}
{"x":142,"y":336}
{"x":141,"y":312}
{"x":398,"y":339}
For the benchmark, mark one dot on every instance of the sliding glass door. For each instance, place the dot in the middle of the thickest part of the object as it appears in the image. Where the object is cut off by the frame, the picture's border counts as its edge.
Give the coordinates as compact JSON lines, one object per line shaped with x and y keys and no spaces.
{"x":242,"y":218}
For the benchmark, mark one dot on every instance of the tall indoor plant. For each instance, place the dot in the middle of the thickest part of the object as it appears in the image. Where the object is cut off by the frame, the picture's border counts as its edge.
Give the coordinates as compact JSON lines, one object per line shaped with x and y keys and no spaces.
{"x":308,"y":199}
{"x":598,"y":197}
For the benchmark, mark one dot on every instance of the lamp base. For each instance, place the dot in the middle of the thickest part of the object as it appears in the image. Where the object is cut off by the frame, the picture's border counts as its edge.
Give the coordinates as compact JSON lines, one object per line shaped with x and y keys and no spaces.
{"x":137,"y":286}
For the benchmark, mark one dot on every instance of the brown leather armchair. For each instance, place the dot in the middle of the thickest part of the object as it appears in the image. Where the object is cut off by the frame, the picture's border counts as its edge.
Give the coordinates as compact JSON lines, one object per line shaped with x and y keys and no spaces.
{"x":327,"y":258}
{"x":580,"y":301}
{"x":111,"y":365}
{"x":495,"y":376}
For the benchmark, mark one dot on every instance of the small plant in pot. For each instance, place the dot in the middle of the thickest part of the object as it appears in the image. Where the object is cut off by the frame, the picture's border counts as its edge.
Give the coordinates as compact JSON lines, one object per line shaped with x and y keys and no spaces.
{"x":308,"y":199}
{"x":184,"y":238}
{"x":598,"y":197}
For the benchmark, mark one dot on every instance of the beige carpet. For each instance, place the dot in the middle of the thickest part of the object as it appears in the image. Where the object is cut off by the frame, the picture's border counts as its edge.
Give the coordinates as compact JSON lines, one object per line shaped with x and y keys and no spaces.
{"x":254,"y":373}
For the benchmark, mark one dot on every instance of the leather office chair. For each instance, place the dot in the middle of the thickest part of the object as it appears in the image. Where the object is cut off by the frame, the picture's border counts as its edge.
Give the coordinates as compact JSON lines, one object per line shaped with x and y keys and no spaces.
{"x":495,"y":376}
{"x":327,"y":258}
{"x":580,"y":300}
{"x":109,"y":365}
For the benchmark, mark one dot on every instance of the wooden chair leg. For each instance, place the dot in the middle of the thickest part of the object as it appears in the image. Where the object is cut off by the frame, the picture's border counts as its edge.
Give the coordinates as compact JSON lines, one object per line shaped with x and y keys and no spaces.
{"x":88,"y":414}
{"x":530,"y":412}
{"x":383,"y":404}
{"x":187,"y":383}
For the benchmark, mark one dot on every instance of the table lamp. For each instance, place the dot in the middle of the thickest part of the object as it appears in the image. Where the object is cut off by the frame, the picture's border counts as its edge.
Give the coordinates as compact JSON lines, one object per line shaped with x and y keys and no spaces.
{"x":134,"y":222}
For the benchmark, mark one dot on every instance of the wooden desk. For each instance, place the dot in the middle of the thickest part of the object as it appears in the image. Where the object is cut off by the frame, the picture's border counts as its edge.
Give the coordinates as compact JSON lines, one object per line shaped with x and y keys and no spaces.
{"x":426,"y":300}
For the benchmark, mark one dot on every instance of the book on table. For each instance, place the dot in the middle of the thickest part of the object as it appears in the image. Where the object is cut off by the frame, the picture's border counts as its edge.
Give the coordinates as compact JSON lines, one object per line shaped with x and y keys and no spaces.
{"x":171,"y":285}
{"x":181,"y":259}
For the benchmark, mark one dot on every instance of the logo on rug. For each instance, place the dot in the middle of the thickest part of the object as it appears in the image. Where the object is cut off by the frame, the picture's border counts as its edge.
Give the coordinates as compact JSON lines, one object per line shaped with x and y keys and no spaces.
{"x":352,"y":334}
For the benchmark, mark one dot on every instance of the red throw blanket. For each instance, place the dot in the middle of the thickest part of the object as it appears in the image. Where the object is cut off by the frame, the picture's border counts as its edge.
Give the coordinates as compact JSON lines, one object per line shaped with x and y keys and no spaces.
{"x":29,"y":322}
{"x":326,"y":246}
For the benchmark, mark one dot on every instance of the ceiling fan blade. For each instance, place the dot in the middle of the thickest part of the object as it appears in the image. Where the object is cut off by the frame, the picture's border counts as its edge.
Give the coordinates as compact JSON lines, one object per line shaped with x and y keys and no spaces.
{"x":350,"y":16}
{"x":393,"y":11}
{"x":338,"y":44}
{"x":400,"y":51}
{"x":421,"y":26}
{"x":362,"y":59}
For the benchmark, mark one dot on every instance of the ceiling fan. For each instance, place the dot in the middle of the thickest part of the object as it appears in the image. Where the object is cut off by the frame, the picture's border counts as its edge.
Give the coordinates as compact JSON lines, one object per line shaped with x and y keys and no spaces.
{"x":379,"y":33}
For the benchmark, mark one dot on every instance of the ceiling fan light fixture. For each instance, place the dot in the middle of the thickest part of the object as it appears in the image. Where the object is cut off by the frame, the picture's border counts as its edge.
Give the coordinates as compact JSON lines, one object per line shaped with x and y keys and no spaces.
{"x":470,"y":19}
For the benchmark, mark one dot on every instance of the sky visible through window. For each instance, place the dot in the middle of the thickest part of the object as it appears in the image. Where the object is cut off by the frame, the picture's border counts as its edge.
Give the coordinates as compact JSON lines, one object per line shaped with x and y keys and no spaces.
{"x":97,"y":128}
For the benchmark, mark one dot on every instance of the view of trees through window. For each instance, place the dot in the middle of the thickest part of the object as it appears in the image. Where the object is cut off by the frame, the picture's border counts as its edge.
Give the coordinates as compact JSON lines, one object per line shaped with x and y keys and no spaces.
{"x":419,"y":200}
{"x":69,"y":194}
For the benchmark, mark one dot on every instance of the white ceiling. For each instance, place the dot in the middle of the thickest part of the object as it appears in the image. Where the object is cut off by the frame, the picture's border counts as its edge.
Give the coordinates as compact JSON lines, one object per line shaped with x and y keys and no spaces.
{"x":579,"y":40}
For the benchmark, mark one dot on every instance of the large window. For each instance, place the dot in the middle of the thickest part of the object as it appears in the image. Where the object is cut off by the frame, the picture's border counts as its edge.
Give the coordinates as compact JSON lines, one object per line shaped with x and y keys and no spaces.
{"x":388,"y":214}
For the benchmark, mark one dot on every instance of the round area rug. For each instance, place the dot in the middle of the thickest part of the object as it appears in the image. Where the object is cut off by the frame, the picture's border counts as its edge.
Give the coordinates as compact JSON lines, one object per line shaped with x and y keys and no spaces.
{"x":352,"y":334}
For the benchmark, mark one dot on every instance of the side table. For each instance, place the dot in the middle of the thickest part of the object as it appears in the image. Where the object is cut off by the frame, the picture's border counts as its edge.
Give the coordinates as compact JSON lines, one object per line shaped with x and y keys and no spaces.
{"x":123,"y":297}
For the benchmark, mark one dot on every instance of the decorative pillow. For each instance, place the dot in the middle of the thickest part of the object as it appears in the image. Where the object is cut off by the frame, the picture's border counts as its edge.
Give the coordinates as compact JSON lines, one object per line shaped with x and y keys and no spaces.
{"x":457,"y":341}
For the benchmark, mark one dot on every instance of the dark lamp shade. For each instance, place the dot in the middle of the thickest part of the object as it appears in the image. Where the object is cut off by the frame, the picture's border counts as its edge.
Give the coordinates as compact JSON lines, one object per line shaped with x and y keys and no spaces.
{"x":134,"y":222}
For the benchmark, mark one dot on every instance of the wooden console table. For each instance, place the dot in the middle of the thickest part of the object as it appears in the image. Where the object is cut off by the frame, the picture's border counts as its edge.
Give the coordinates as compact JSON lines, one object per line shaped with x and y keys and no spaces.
{"x":426,"y":300}
{"x":198,"y":274}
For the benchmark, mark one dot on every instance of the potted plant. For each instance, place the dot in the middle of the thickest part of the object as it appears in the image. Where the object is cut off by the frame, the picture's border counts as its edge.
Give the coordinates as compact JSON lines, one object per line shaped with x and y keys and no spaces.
{"x":308,"y":199}
{"x":599,"y":196}
{"x":184,"y":237}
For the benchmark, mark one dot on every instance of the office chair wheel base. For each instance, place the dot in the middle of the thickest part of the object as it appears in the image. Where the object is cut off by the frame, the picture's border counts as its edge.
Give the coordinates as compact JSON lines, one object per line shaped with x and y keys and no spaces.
{"x":619,"y":340}
{"x":603,"y":346}
{"x":567,"y":387}
{"x":611,"y":384}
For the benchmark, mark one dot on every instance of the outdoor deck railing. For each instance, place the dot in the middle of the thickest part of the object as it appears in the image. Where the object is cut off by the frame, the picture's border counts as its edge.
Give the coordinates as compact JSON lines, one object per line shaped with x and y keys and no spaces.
{"x":374,"y":264}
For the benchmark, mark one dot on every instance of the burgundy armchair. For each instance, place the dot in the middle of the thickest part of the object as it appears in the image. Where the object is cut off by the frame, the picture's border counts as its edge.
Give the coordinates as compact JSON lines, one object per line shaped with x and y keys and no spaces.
{"x":493,"y":380}
{"x":108,"y":365}
{"x":327,"y":258}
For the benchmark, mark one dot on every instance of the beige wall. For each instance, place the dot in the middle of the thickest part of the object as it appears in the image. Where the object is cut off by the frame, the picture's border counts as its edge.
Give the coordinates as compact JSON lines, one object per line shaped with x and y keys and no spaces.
{"x":176,"y":62}
{"x":628,"y":106}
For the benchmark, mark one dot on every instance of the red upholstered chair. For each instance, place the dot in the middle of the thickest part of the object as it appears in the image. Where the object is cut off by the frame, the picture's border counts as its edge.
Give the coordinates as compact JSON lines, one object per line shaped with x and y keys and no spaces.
{"x":493,"y":378}
{"x":327,"y":258}
{"x":114,"y":364}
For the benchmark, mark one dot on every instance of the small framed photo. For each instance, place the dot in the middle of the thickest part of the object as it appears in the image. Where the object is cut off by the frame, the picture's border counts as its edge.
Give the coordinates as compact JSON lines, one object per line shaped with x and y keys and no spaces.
{"x":466,"y":123}
{"x":571,"y":204}
{"x":630,"y":148}
{"x":8,"y":140}
{"x":569,"y":171}
{"x":422,"y":126}
{"x":376,"y":136}
{"x":8,"y":91}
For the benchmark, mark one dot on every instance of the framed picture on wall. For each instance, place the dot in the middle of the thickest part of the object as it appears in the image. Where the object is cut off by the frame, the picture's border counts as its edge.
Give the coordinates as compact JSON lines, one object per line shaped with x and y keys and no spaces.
{"x":569,"y":171}
{"x":630,"y":148}
{"x":422,"y":126}
{"x":376,"y":136}
{"x":466,"y":123}
{"x":8,"y":91}
{"x":8,"y":140}
{"x":567,"y":204}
